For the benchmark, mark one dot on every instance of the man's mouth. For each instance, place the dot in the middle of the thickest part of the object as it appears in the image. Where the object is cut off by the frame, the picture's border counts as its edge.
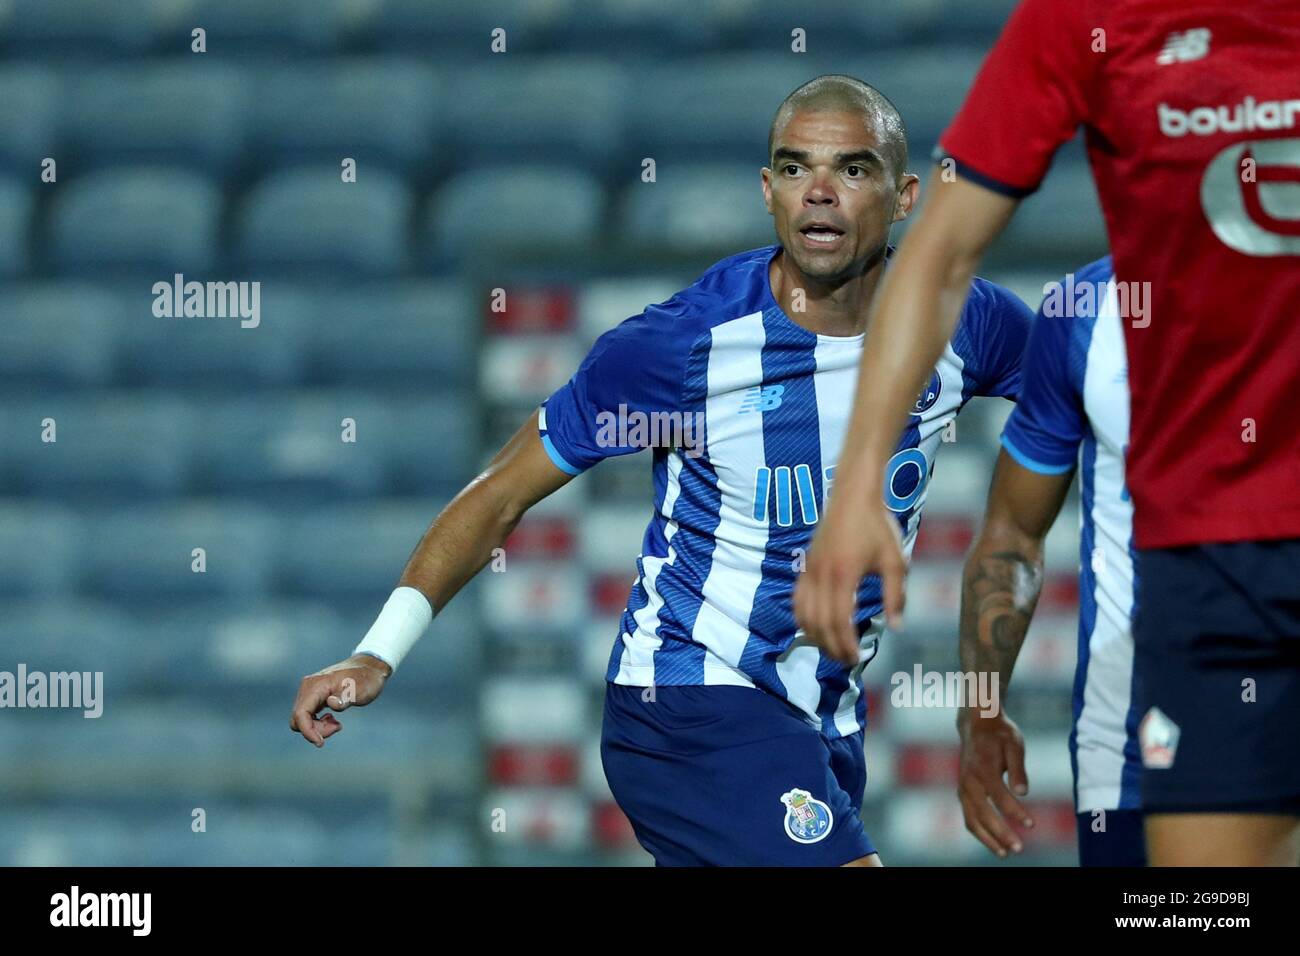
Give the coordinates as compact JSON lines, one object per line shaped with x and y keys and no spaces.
{"x":821,"y":232}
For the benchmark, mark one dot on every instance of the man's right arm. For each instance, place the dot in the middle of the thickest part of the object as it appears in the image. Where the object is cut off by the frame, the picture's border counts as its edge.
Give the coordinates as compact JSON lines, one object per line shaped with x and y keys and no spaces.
{"x":456,"y":546}
{"x":1001,"y":582}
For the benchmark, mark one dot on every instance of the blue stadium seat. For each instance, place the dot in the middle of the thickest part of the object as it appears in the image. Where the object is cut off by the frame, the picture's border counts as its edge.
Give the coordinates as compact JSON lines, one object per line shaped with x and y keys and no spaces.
{"x":353,"y":552}
{"x":77,"y":29}
{"x":256,"y":28}
{"x":144,"y":554}
{"x":709,"y":108}
{"x":107,"y":447}
{"x":705,"y":208}
{"x":421,"y":26}
{"x":928,"y":85}
{"x":57,"y":335}
{"x":567,"y":111}
{"x":307,"y":221}
{"x":842,"y":28}
{"x":71,"y":635}
{"x":382,"y":112}
{"x":292,"y":448}
{"x":250,"y":652}
{"x":403,"y":335}
{"x":40,"y":548}
{"x":968,"y":22}
{"x":1063,"y":219}
{"x":179,"y":113}
{"x":16,"y":201}
{"x":431,"y":443}
{"x":221,"y":352}
{"x":46,"y":838}
{"x":658,"y":29}
{"x":137,"y":222}
{"x":30,"y":106}
{"x":514,"y":208}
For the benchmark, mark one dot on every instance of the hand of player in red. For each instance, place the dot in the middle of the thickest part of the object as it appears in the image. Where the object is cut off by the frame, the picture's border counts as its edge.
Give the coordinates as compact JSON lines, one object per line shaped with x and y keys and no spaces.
{"x":850,"y":544}
{"x":992,"y":748}
{"x":353,"y":682}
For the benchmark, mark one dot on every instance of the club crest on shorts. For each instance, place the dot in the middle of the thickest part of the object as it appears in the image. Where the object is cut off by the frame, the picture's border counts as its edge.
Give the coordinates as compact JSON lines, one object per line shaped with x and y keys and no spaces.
{"x":1158,"y":736}
{"x":807,"y":819}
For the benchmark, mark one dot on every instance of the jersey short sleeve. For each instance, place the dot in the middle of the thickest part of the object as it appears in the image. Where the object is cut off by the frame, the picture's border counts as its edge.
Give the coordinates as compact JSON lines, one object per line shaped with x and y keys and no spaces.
{"x":1029,"y":97}
{"x":991,"y":339}
{"x":1045,"y":428}
{"x":633,"y":372}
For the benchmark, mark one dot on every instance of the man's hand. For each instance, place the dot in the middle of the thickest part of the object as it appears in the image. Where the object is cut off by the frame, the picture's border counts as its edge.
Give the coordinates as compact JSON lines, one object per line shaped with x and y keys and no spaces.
{"x":851,"y":543}
{"x":990,"y":748}
{"x":353,"y":682}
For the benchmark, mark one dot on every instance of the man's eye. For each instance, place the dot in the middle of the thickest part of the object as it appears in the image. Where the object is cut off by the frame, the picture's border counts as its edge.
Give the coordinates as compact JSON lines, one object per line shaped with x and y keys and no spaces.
{"x":791,"y":169}
{"x":854,"y":170}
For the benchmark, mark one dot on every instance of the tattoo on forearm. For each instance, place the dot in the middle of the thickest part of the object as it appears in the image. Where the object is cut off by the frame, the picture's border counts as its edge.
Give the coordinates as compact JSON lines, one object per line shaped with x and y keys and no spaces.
{"x":999,"y":593}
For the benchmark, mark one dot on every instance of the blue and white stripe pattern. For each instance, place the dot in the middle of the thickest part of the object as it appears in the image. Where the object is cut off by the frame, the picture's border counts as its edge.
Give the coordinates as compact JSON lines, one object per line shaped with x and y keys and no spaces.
{"x":1074,"y":412}
{"x":712,"y":603}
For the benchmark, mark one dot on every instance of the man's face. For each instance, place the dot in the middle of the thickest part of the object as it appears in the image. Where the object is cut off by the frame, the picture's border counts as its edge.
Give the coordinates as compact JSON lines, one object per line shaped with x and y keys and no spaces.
{"x":832,"y":194}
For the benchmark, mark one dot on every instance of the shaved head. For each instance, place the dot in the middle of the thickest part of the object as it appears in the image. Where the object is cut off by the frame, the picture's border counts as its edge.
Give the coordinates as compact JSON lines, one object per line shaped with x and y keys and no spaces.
{"x":839,"y":92}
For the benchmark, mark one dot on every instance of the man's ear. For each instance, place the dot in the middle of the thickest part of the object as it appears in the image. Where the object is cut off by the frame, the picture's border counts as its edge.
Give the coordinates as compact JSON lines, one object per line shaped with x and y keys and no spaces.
{"x":765,"y":174}
{"x":909,"y":190}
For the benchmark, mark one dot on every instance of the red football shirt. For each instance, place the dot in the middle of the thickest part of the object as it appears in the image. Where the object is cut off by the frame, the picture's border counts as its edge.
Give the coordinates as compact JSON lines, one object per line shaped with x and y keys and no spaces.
{"x":1191,"y":113}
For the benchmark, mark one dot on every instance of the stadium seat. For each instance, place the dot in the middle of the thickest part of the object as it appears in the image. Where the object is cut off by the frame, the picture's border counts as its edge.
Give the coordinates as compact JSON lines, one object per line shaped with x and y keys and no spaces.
{"x":218,"y":352}
{"x":57,"y":335}
{"x":177,"y":114}
{"x":140,"y":222}
{"x":76,"y":29}
{"x":467,"y":28}
{"x":238,"y":28}
{"x":841,"y":28}
{"x":432,"y":443}
{"x":352,"y":552}
{"x":927,"y":85}
{"x":713,"y":209}
{"x":106,"y":448}
{"x":16,"y":203}
{"x":566,"y":111}
{"x":309,"y":222}
{"x":30,"y":106}
{"x":40,"y":548}
{"x":399,"y":335}
{"x":523,"y":208}
{"x":636,"y":28}
{"x":1063,"y":219}
{"x":384,"y":113}
{"x":292,"y":448}
{"x":71,"y":635}
{"x":709,"y":109}
{"x":144,"y":554}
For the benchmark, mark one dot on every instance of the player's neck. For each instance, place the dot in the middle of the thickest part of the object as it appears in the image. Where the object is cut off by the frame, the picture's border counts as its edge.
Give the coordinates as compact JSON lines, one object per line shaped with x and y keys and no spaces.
{"x":836,"y":309}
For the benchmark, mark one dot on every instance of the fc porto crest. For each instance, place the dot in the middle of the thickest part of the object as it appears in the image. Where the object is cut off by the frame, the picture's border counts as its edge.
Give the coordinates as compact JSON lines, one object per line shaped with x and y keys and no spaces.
{"x":807,"y":819}
{"x":929,"y":395}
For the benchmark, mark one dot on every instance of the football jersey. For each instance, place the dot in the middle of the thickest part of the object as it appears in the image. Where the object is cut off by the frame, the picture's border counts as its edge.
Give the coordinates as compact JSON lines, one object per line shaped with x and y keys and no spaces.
{"x":1073,"y":412}
{"x":1191,"y":116}
{"x":752,"y":410}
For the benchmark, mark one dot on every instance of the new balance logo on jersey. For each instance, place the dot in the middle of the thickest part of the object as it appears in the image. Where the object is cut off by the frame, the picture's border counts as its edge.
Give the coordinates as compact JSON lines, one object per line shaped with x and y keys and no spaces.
{"x":1247,"y":115}
{"x":1185,"y":47}
{"x":762,"y":398}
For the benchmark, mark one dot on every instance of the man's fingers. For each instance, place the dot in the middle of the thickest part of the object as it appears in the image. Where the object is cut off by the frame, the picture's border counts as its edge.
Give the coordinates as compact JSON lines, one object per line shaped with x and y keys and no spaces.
{"x":990,"y":818}
{"x":978,"y":830}
{"x":1014,"y":752}
{"x":893,"y":574}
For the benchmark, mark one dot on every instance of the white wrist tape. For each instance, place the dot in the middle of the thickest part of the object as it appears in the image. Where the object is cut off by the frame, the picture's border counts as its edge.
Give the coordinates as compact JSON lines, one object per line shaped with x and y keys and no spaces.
{"x":404,"y":619}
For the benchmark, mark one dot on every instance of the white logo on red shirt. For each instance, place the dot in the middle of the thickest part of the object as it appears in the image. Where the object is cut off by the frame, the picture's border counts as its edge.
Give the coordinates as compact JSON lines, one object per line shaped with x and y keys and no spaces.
{"x":1185,"y":47}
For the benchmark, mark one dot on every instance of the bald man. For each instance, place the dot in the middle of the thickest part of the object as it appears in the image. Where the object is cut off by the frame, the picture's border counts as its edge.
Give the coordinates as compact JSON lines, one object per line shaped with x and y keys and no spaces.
{"x":728,"y":739}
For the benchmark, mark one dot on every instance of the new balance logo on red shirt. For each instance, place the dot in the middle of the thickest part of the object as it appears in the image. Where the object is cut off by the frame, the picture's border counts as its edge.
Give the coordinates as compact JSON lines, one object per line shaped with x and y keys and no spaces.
{"x":1185,"y":46}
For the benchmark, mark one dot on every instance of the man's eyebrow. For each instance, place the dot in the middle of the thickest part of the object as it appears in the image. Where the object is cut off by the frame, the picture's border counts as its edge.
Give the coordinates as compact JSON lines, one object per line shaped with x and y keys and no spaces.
{"x":856,"y":156}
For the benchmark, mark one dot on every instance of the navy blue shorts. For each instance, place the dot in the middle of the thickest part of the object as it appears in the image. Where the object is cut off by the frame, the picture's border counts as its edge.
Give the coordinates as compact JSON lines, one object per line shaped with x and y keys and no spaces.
{"x":1111,"y":838}
{"x":732,"y":776}
{"x":1217,"y":677}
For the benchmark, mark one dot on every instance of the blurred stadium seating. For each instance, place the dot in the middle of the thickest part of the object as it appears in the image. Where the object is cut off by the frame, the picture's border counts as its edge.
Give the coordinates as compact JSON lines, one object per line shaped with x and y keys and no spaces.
{"x":475,"y":171}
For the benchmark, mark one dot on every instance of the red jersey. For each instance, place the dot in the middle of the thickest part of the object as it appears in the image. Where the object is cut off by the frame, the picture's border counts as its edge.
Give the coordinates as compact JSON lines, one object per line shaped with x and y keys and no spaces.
{"x":1191,"y":114}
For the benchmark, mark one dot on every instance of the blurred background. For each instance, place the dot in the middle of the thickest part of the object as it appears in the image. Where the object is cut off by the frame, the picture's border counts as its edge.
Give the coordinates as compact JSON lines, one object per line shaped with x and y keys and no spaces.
{"x":476,"y":171}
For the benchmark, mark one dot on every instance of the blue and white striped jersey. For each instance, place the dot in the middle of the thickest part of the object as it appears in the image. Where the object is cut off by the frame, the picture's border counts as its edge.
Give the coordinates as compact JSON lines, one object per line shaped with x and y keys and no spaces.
{"x":762,"y":405}
{"x":1074,"y":411}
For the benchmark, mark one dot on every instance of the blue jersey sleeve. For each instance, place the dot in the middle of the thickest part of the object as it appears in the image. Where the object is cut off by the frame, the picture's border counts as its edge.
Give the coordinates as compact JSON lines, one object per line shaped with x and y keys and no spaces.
{"x":624,"y":393}
{"x":1045,"y":428}
{"x":991,"y":341}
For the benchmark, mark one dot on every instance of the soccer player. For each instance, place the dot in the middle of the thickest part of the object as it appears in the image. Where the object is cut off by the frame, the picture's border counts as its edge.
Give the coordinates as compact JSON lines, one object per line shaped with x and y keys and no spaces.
{"x":1072,"y":414}
{"x":726,"y":738}
{"x":1192,"y":116}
